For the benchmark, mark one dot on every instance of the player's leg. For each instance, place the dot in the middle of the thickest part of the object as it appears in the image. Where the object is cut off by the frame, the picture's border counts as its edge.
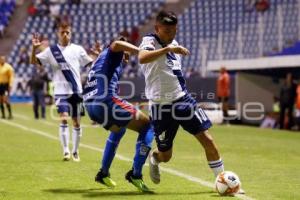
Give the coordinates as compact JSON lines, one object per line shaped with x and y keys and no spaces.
{"x":112,"y":143}
{"x":64,"y":135}
{"x":98,"y":112}
{"x":164,"y":151}
{"x":42,"y":104}
{"x":195,"y":121}
{"x":212,"y":154}
{"x":126,"y":115}
{"x":2,"y":107}
{"x":75,"y":104}
{"x":225,"y":107}
{"x":35,"y":105}
{"x":141,"y":124}
{"x":282,"y":115}
{"x":63,"y":109}
{"x":76,"y":136}
{"x":290,"y":116}
{"x":165,"y":131}
{"x":8,"y":105}
{"x":111,"y":146}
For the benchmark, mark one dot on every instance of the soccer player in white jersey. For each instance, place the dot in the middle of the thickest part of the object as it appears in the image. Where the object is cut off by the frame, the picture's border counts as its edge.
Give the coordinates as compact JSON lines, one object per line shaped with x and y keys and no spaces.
{"x":66,"y":59}
{"x":171,"y":105}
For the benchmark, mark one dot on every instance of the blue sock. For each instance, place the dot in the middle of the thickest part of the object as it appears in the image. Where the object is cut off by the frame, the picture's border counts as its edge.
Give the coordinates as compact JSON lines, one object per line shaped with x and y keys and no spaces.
{"x":111,"y":146}
{"x":143,"y":146}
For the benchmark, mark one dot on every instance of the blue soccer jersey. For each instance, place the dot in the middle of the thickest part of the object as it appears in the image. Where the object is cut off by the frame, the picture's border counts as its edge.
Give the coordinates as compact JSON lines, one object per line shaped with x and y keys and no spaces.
{"x":100,"y":93}
{"x":104,"y":75}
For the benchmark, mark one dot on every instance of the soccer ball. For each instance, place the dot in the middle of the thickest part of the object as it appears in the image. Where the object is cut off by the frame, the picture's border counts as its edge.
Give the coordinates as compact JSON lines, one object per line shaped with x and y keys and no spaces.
{"x":227,"y":183}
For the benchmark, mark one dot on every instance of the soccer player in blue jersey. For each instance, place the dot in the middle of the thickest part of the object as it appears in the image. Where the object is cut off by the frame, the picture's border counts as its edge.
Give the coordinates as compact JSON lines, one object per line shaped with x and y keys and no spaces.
{"x":171,"y":104}
{"x":115,"y":114}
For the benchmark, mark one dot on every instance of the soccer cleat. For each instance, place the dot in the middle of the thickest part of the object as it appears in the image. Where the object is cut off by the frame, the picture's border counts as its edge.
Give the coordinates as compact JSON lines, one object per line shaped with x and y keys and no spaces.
{"x":67,"y":156}
{"x":75,"y":157}
{"x":154,"y":170}
{"x":105,"y":179}
{"x":137,"y":181}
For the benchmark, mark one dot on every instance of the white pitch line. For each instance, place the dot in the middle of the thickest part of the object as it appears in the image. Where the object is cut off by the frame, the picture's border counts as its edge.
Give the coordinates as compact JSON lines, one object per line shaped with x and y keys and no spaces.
{"x":21,"y":116}
{"x":123,"y":158}
{"x":45,"y":122}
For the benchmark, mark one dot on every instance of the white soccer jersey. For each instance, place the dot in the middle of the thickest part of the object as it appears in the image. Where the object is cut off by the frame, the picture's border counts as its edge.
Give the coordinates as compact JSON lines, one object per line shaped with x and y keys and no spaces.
{"x":76,"y":56}
{"x":163,"y":77}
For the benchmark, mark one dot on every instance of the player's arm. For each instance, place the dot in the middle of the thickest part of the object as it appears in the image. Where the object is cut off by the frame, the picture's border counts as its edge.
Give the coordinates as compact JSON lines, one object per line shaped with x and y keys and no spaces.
{"x":33,"y":59}
{"x":147,"y":56}
{"x":36,"y":44}
{"x":118,"y":46}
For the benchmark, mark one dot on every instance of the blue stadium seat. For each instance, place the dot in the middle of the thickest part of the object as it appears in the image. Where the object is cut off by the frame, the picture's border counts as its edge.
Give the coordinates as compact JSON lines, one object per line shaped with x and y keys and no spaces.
{"x":91,"y":20}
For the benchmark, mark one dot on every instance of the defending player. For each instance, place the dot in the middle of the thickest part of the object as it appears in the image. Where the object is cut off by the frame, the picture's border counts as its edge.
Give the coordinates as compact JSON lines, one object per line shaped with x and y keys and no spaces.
{"x":115,"y":114}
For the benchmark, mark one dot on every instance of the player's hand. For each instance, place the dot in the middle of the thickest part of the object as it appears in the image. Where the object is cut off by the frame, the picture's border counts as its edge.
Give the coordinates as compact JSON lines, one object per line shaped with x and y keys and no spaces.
{"x":126,"y":57}
{"x":179,"y":50}
{"x":36,"y":41}
{"x":96,"y":49}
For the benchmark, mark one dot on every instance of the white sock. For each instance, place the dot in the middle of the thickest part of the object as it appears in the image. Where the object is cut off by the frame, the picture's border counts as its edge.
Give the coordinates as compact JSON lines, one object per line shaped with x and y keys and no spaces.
{"x":64,"y":137}
{"x":217,"y":166}
{"x":76,"y":135}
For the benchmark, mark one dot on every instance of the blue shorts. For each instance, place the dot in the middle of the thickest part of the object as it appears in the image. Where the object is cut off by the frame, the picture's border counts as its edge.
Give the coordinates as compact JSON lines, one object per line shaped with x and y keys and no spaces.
{"x":69,"y":103}
{"x":166,"y":119}
{"x":111,"y":111}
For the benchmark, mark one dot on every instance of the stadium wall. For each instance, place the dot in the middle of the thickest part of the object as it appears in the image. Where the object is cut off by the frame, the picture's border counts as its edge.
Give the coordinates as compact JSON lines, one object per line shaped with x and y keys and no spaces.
{"x":252,"y":90}
{"x":203,"y":89}
{"x":256,"y":63}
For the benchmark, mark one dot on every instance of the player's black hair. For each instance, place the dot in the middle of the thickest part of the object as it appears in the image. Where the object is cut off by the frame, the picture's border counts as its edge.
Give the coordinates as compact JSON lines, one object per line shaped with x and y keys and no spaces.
{"x":166,"y":18}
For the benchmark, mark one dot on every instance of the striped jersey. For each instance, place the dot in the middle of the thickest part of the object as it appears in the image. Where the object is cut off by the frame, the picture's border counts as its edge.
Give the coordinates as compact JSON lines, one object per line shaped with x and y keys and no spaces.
{"x":76,"y":57}
{"x":164,"y":79}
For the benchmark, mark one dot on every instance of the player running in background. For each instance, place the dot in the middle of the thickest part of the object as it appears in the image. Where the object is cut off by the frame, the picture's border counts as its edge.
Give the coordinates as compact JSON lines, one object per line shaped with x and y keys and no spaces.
{"x":115,"y":114}
{"x":171,"y":104}
{"x":66,"y":59}
{"x":6,"y":82}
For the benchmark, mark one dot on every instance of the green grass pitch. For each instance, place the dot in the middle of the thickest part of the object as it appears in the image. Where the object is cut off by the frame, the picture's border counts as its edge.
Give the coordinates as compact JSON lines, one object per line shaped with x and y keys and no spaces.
{"x":31,"y":165}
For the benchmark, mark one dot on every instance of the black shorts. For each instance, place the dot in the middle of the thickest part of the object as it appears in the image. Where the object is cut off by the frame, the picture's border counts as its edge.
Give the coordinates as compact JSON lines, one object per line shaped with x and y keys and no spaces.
{"x":3,"y":89}
{"x":71,"y":104}
{"x":167,"y":118}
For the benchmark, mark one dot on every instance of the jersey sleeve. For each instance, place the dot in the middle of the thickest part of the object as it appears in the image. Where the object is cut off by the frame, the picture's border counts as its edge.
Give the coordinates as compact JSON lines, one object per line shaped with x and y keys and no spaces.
{"x":148,"y":43}
{"x":84,"y":58}
{"x":44,"y":56}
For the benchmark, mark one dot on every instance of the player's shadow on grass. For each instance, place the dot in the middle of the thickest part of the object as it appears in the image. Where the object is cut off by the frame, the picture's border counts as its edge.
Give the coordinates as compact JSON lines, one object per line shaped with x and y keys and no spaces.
{"x":98,"y":192}
{"x":107,"y":194}
{"x":95,"y":192}
{"x":70,"y":191}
